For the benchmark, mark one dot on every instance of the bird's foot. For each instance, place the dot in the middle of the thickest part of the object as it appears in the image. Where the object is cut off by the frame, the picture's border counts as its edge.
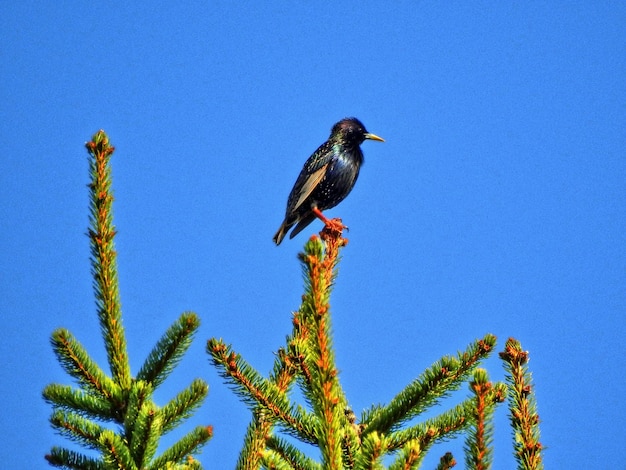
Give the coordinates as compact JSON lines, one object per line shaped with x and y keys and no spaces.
{"x":332,"y":223}
{"x":333,"y":228}
{"x":335,"y":225}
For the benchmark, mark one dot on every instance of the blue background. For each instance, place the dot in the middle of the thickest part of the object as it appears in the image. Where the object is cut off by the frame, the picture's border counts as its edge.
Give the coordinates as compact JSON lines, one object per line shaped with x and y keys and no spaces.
{"x":497,"y":203}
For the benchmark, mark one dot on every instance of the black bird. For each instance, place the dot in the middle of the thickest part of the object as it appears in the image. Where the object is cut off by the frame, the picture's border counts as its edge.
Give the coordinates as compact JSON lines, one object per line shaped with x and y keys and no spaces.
{"x":327,"y":178}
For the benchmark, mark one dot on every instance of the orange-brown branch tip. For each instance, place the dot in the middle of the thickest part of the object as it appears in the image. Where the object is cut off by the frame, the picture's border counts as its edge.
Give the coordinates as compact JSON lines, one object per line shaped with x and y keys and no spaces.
{"x":332,"y":229}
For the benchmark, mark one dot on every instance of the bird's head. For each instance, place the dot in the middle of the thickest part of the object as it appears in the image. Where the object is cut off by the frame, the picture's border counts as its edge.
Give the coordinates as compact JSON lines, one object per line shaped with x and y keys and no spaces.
{"x":351,"y":131}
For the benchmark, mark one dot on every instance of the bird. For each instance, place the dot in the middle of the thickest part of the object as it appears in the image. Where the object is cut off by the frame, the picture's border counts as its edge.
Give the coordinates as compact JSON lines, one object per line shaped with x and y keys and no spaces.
{"x":327,"y":177}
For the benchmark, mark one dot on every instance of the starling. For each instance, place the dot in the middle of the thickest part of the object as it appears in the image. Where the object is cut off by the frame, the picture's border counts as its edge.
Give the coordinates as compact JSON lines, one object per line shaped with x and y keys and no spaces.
{"x":327,"y":178}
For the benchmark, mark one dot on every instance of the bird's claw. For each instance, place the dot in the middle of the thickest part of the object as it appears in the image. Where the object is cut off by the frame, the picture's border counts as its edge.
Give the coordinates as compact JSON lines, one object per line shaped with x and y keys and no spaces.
{"x":334,"y":227}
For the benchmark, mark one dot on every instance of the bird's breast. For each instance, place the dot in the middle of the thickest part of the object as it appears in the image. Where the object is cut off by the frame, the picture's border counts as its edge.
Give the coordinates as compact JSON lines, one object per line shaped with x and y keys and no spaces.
{"x":339,"y":180}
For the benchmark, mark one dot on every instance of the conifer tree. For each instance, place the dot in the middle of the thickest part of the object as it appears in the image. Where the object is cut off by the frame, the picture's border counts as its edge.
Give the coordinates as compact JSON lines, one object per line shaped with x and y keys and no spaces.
{"x":113,"y":415}
{"x":383,"y":433}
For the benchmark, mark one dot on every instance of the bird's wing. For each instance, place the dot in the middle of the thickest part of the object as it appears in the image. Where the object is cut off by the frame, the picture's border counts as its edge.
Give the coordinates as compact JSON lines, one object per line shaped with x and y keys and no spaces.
{"x":310,"y":184}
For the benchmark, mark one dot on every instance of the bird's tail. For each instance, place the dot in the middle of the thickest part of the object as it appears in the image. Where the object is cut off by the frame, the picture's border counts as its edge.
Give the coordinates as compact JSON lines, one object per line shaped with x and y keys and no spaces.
{"x":282,"y":231}
{"x":302,"y":224}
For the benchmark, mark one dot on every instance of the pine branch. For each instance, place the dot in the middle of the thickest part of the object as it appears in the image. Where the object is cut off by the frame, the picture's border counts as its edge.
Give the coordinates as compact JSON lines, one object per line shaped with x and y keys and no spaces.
{"x":292,"y":456}
{"x":446,"y":425}
{"x":183,"y":405}
{"x":85,"y":404}
{"x":415,"y":441}
{"x":322,"y":389}
{"x":144,"y":438}
{"x":258,"y":432}
{"x":522,"y":407}
{"x":116,"y":452}
{"x":435,"y":383}
{"x":255,"y":441}
{"x":433,"y":430}
{"x":77,"y":429}
{"x":182,"y":450}
{"x":478,"y":450}
{"x":68,"y":459}
{"x":272,"y":460}
{"x":256,"y":390}
{"x":77,"y":363}
{"x":410,"y":457}
{"x":103,"y":258}
{"x":169,"y":350}
{"x":139,"y":394}
{"x":373,"y":449}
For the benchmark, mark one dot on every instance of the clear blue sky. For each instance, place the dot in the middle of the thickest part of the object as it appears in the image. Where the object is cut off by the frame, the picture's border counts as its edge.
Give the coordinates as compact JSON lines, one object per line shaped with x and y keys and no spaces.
{"x":497,"y":203}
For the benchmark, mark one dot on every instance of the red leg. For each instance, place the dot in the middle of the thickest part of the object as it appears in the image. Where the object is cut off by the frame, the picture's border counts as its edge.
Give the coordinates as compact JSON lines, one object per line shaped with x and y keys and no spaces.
{"x":331,"y":224}
{"x":322,"y":217}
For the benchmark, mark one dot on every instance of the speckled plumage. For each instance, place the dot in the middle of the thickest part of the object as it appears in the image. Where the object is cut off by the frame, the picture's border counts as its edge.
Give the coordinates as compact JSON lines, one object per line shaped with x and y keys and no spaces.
{"x":327,"y":177}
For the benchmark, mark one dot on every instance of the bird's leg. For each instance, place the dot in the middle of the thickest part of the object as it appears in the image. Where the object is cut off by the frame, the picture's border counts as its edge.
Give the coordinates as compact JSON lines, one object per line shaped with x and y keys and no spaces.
{"x":333,"y":224}
{"x":319,"y":215}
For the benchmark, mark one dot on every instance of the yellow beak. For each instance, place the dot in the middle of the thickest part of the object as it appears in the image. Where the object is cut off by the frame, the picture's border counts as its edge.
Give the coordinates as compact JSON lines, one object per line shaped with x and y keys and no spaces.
{"x":374,"y":137}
